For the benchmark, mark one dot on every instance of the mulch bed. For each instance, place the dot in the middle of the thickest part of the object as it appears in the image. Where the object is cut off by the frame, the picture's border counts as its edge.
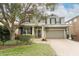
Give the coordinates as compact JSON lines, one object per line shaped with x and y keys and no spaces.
{"x":7,"y":46}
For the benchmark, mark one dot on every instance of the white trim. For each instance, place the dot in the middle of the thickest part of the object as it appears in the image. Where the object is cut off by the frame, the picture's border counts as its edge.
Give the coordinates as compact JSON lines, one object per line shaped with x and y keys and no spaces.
{"x":55,"y":29}
{"x":64,"y":34}
{"x":33,"y":32}
{"x":26,"y":31}
{"x":43,"y":32}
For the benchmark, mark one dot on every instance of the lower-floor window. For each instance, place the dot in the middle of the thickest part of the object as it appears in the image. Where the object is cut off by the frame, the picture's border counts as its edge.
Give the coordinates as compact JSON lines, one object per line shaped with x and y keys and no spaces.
{"x":25,"y":30}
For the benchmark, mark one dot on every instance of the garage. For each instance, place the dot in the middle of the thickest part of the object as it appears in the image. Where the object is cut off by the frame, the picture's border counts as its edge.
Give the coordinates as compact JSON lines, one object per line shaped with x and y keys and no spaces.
{"x":55,"y":34}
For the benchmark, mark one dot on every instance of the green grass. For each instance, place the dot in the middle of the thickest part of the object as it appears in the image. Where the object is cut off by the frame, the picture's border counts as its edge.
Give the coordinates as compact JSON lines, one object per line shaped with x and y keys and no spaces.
{"x":29,"y":50}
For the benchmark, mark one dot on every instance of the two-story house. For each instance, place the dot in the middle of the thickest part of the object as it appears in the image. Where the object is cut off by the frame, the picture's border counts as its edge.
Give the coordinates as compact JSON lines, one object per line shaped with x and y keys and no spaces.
{"x":74,"y":27}
{"x":53,"y":27}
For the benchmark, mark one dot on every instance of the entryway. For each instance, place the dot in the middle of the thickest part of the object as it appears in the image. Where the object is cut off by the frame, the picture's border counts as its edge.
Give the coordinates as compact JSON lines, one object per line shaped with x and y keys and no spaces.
{"x":38,"y":32}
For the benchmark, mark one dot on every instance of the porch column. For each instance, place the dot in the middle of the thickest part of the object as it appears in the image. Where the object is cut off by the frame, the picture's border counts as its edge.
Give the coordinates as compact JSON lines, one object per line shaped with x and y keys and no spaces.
{"x":33,"y":33}
{"x":43,"y":33}
{"x":65,"y":34}
{"x":69,"y":33}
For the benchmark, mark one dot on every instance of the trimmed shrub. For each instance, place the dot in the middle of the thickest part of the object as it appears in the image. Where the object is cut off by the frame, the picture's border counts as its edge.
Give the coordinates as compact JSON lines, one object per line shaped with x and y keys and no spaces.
{"x":26,"y":38}
{"x":13,"y":42}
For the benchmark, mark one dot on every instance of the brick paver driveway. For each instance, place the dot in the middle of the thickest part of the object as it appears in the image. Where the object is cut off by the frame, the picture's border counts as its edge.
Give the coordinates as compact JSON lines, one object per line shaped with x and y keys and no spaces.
{"x":65,"y":47}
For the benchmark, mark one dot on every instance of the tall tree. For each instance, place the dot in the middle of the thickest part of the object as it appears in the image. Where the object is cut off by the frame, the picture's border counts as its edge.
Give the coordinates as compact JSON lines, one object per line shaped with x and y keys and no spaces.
{"x":14,"y":14}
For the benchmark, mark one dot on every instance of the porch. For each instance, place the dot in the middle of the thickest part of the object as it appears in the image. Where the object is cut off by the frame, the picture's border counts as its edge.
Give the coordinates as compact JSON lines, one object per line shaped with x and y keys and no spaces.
{"x":35,"y":31}
{"x":44,"y":32}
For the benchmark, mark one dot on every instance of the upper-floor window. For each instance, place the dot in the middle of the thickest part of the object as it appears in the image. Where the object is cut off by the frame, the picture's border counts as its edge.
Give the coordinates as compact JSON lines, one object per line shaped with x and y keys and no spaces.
{"x":46,"y":21}
{"x":56,"y":21}
{"x":60,"y":20}
{"x":52,"y":20}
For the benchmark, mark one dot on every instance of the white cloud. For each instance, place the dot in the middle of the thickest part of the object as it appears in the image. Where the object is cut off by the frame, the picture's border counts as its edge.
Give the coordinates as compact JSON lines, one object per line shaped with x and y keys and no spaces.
{"x":73,"y":12}
{"x":75,"y":8}
{"x":68,"y":14}
{"x":60,"y":10}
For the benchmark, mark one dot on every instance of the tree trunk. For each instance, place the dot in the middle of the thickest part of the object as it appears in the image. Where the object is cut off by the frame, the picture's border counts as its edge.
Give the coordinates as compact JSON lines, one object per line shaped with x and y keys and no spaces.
{"x":12,"y":35}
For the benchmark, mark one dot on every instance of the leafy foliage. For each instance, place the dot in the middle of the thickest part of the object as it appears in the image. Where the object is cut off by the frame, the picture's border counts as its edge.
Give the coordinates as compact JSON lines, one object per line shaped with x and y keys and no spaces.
{"x":13,"y":15}
{"x":4,"y":34}
{"x":26,"y":39}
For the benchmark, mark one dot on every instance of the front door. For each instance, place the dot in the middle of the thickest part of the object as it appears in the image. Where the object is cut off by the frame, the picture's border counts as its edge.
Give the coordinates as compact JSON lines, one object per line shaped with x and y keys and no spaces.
{"x":38,"y":32}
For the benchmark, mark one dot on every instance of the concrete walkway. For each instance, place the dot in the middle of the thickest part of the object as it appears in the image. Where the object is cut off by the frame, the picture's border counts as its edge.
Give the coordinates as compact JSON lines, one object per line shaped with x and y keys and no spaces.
{"x":65,"y":47}
{"x":40,"y":41}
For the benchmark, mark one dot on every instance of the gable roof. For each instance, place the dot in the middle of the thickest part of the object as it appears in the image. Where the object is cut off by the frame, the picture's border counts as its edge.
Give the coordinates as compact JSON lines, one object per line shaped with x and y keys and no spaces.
{"x":53,"y":13}
{"x":72,"y":18}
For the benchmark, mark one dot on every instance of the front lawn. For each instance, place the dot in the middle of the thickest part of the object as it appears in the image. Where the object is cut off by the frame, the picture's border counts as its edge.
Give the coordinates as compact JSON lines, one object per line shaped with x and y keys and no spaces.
{"x":29,"y":50}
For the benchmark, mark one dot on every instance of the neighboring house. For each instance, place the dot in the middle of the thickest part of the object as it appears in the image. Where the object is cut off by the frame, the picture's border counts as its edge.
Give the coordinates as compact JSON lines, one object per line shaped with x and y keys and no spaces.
{"x":74,"y":27}
{"x":52,"y":28}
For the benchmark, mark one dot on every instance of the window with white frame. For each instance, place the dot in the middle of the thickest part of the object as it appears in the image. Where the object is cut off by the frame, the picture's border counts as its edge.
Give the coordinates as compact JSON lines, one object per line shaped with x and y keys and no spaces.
{"x":52,"y":20}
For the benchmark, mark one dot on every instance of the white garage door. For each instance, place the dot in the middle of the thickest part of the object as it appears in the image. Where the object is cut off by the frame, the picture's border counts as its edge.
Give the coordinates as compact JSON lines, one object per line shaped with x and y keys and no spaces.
{"x":55,"y":34}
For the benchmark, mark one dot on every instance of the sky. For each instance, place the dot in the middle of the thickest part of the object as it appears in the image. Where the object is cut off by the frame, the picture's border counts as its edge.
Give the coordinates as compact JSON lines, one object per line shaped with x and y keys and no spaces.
{"x":67,"y":10}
